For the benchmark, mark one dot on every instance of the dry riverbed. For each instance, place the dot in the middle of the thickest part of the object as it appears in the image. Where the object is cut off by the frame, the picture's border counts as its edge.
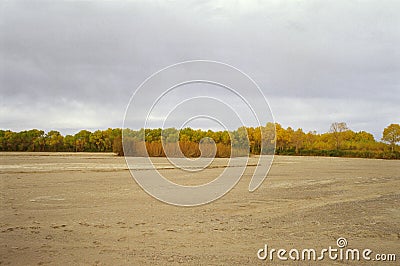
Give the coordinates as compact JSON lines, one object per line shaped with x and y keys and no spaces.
{"x":85,"y":209}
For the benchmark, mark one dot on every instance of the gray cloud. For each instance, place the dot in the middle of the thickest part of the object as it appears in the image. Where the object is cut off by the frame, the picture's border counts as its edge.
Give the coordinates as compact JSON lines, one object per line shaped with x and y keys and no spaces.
{"x":70,"y":64}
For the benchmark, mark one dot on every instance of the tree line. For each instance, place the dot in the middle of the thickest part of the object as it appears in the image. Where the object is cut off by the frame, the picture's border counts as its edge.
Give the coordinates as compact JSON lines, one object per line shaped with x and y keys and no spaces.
{"x":339,"y":141}
{"x":53,"y":141}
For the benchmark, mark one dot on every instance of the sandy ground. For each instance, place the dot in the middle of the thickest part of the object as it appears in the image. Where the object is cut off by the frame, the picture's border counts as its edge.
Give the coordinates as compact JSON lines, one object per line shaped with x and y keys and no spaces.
{"x":85,"y":209}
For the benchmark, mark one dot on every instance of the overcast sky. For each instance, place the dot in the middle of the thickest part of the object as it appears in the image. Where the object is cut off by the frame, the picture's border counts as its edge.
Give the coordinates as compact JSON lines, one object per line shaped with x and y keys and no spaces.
{"x":71,"y":65}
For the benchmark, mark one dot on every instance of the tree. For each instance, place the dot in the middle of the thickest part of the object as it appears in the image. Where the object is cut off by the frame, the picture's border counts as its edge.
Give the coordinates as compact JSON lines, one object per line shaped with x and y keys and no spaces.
{"x":310,"y":139}
{"x":54,"y":140}
{"x":281,"y":137}
{"x":268,"y":138}
{"x":337,"y":130}
{"x":391,"y":134}
{"x":298,"y":139}
{"x":36,"y":139}
{"x":69,"y":143}
{"x":117,"y":146}
{"x":97,"y":141}
{"x":82,"y":140}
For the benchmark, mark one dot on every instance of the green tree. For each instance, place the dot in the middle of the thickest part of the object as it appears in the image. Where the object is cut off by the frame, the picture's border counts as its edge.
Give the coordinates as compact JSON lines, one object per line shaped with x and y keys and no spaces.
{"x":97,"y":141}
{"x":82,"y":140}
{"x":54,"y":140}
{"x":35,"y":137}
{"x":69,"y":143}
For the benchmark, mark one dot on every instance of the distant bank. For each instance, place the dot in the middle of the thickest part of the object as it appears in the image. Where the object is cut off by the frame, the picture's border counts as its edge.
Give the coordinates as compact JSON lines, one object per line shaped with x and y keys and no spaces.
{"x":340,"y":141}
